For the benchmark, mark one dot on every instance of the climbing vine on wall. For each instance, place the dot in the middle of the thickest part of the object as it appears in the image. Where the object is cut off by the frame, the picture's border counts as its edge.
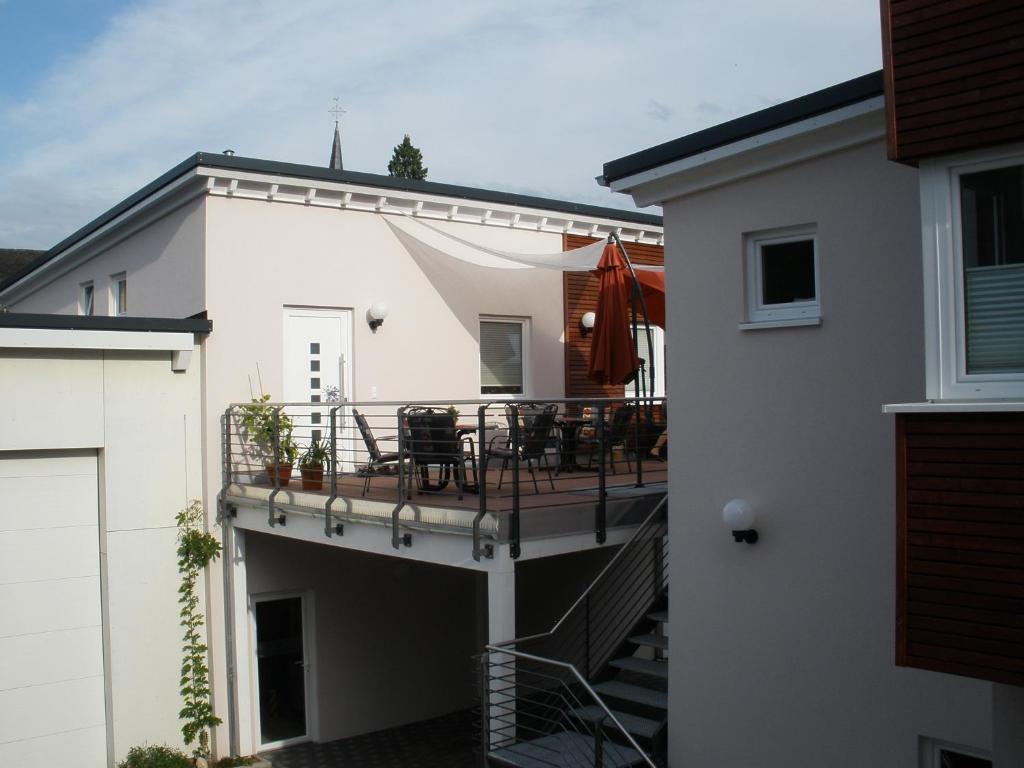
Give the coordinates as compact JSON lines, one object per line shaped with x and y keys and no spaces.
{"x":197,"y":548}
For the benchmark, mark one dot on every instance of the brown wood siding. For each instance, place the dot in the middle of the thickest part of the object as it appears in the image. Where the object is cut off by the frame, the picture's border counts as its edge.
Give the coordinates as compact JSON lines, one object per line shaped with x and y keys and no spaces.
{"x":954,"y":75}
{"x":580,"y":291}
{"x":960,"y":544}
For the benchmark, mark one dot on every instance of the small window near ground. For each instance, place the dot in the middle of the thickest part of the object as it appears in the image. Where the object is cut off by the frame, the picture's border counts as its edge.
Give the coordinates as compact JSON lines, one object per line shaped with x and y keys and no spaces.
{"x":119,"y":294}
{"x":502,"y":357}
{"x":86,"y":300}
{"x":782,"y":276}
{"x":942,"y":754}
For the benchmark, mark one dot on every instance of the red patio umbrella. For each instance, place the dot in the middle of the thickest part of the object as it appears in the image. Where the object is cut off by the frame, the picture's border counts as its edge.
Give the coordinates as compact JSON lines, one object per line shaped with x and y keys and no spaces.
{"x":652,"y":284}
{"x":613,"y":359}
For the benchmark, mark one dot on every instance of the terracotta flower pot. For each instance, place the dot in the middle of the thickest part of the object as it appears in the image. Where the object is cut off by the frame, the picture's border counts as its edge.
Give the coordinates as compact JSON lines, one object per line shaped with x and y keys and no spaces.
{"x":283,"y":472}
{"x":312,"y":478}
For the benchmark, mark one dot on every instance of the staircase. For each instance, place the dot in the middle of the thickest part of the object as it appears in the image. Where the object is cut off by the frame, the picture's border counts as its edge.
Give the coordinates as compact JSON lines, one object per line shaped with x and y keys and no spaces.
{"x":636,"y":689}
{"x":593,"y":691}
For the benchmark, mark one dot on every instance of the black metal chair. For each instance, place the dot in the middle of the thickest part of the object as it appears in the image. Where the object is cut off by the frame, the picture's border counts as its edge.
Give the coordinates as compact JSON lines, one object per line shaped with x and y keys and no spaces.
{"x":534,"y":438}
{"x":616,"y":432}
{"x":377,"y":459}
{"x":431,"y":439}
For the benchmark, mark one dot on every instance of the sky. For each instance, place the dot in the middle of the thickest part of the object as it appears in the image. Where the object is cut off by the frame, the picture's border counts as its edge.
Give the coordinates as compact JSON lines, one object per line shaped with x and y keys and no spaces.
{"x":529,"y":96}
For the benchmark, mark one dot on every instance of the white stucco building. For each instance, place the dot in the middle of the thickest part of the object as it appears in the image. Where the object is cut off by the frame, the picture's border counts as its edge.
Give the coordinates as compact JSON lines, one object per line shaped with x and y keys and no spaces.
{"x":794,"y":270}
{"x":286,"y":261}
{"x":100,"y":446}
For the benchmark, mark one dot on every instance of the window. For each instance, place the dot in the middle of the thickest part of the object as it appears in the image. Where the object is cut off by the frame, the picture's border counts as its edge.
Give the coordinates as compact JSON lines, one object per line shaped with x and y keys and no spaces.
{"x":658,"y":356}
{"x":992,"y":243}
{"x":503,"y":343}
{"x":973,"y":214}
{"x":782,"y":278}
{"x":86,"y":296}
{"x":119,"y":294}
{"x":943,"y":754}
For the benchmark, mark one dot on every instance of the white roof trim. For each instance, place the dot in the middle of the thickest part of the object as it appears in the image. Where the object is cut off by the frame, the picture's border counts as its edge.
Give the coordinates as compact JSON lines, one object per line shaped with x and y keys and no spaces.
{"x":252,"y":185}
{"x":847,"y":126}
{"x":79,"y":338}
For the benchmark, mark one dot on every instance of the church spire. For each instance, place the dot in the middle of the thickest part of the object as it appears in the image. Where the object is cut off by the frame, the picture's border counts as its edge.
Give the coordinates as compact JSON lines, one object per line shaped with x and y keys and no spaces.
{"x":336,"y":163}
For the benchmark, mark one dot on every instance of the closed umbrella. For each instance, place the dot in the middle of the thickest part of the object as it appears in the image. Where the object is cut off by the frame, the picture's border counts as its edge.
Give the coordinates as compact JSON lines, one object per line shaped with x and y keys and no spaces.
{"x":613,"y":359}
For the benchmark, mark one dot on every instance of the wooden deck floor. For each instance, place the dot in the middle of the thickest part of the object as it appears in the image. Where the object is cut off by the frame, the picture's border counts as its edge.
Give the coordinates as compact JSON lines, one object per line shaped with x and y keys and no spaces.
{"x":578,"y":487}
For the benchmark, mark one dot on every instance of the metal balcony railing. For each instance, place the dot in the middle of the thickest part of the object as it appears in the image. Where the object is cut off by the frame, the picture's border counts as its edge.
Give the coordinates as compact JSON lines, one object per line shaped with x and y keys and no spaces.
{"x":471,"y":462}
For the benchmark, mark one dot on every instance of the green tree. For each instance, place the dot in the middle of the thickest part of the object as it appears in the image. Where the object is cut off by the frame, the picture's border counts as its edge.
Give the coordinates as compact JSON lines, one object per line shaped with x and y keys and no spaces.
{"x":407,"y":161}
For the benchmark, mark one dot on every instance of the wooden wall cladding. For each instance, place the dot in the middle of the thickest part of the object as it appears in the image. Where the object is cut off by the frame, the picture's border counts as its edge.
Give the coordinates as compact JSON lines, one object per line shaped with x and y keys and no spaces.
{"x":580,"y":290}
{"x":954,"y":75}
{"x":960,"y":544}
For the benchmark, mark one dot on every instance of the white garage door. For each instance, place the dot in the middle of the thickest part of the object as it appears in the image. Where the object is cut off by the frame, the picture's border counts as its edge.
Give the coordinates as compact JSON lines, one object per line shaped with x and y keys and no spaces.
{"x":51,"y":644}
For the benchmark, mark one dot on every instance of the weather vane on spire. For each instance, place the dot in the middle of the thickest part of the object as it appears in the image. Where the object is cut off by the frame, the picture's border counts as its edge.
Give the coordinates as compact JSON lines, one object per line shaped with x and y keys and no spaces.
{"x":336,"y":110}
{"x":335,"y":161}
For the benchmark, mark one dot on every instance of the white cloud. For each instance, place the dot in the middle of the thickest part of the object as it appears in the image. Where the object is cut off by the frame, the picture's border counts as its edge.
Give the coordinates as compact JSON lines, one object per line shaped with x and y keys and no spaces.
{"x":530,"y":96}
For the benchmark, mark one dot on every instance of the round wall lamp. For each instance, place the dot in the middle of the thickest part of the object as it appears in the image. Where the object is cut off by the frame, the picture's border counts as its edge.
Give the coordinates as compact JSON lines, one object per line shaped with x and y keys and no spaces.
{"x":375,"y":315}
{"x":587,"y":323}
{"x":739,"y":517}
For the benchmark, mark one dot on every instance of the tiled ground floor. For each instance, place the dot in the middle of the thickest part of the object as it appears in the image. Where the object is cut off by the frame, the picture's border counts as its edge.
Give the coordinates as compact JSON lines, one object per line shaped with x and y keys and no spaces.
{"x":451,"y":741}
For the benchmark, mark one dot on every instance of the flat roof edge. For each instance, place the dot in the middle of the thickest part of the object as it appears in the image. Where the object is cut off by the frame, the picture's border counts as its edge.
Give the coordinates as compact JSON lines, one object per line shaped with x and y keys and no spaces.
{"x":104,"y":323}
{"x":801,"y":108}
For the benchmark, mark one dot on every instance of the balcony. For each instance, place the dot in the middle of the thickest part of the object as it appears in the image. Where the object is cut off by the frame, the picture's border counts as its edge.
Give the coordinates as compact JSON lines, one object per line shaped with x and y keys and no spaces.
{"x":493,"y":472}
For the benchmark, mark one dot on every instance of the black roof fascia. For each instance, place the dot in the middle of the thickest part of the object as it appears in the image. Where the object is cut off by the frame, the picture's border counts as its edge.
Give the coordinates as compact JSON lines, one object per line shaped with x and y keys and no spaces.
{"x":104,"y":323}
{"x":793,"y":111}
{"x":233,"y":162}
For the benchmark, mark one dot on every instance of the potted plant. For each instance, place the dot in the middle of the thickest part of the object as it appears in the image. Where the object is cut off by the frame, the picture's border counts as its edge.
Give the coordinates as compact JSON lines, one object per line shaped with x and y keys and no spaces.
{"x":261,"y":422}
{"x":311,"y":464}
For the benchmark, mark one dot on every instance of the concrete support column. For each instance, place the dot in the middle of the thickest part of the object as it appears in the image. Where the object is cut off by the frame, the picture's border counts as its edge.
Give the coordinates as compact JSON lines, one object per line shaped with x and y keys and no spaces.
{"x":501,"y":604}
{"x":501,"y":626}
{"x":1007,"y":726}
{"x":237,"y":615}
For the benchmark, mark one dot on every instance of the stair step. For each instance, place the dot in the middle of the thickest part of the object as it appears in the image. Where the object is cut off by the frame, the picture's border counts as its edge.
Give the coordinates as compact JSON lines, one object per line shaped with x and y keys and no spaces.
{"x":634,"y":693}
{"x":636,"y":725}
{"x":658,"y":616}
{"x":652,"y":641}
{"x":564,"y":749}
{"x":657,"y":669}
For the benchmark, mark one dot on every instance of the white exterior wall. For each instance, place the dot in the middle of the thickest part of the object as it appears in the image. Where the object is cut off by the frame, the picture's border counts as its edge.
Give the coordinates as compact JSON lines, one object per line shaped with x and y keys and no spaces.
{"x":141,"y":424}
{"x":262,"y":257}
{"x":783,"y":652}
{"x":163,"y":264}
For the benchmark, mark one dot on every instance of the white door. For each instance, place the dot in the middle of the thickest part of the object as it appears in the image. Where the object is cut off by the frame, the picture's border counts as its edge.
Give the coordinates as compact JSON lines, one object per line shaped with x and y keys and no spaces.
{"x":317,"y":368}
{"x":51,"y":636}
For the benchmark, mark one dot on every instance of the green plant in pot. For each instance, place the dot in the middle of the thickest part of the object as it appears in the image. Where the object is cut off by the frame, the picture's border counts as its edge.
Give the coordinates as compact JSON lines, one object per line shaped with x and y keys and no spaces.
{"x":312,"y":463}
{"x":262,"y":422}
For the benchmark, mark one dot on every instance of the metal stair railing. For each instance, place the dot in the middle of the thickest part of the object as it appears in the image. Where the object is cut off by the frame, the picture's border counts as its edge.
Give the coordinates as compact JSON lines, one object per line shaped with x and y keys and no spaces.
{"x":518,"y":676}
{"x":527,"y":707}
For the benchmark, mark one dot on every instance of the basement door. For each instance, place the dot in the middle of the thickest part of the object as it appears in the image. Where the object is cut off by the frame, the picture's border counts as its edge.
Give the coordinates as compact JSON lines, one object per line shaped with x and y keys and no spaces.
{"x":317,"y":368}
{"x":281,"y":653}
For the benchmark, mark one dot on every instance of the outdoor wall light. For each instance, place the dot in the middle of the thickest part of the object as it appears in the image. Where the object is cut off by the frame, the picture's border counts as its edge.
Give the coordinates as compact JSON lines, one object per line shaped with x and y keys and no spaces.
{"x":587,"y":323}
{"x":375,"y":315}
{"x":738,"y":517}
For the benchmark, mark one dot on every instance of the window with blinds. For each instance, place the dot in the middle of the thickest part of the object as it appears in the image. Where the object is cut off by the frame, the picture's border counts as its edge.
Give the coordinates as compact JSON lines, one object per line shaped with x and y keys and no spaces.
{"x":992,"y":227}
{"x":649,"y":354}
{"x":501,"y":357}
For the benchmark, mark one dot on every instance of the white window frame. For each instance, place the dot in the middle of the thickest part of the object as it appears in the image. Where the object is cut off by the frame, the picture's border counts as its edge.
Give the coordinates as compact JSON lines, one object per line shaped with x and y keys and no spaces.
{"x":946,"y":376}
{"x":775,"y":315}
{"x":658,"y":339}
{"x":527,"y":377}
{"x":87,"y":298}
{"x":931,"y":752}
{"x":115,"y":294}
